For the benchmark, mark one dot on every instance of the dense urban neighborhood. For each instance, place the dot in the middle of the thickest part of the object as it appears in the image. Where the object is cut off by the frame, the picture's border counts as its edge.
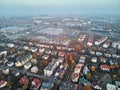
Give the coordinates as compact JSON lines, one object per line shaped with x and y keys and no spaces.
{"x":60,"y":53}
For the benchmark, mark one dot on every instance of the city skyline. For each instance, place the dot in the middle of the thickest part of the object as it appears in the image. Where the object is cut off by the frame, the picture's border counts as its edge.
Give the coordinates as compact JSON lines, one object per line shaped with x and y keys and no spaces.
{"x":59,"y":45}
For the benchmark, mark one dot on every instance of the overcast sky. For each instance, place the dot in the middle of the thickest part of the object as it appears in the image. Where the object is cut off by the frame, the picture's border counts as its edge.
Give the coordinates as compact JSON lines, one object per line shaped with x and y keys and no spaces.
{"x":8,"y":7}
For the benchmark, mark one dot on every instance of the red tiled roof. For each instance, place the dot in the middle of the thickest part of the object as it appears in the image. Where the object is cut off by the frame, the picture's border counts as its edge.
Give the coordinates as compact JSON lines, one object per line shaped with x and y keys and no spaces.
{"x":105,"y":67}
{"x":75,"y":75}
{"x":103,"y":59}
{"x":37,"y":82}
{"x":61,"y":53}
{"x":23,"y":80}
{"x":90,"y":39}
{"x":2,"y":82}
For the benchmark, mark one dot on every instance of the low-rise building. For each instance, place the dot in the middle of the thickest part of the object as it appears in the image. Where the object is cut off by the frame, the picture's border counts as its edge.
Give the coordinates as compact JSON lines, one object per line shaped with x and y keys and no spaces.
{"x":48,"y":70}
{"x":101,"y":40}
{"x":96,"y":86}
{"x":99,"y":53}
{"x":85,"y":70}
{"x":61,"y":70}
{"x":23,"y":80}
{"x":59,"y":48}
{"x":10,"y":45}
{"x":82,"y":61}
{"x":34,"y":69}
{"x":94,"y":59}
{"x":67,"y":86}
{"x":84,"y":81}
{"x":34,"y":61}
{"x":3,"y":83}
{"x":111,"y":87}
{"x":115,"y":56}
{"x":16,"y":73}
{"x":107,"y":55}
{"x":3,"y":52}
{"x":41,"y":50}
{"x":54,"y":52}
{"x":33,"y":49}
{"x":27,"y":65}
{"x":20,"y":61}
{"x":82,"y":38}
{"x":90,"y":40}
{"x":75,"y":75}
{"x":103,"y":59}
{"x":36,"y":83}
{"x":10,"y":63}
{"x":25,"y":47}
{"x":113,"y":62}
{"x":48,"y":52}
{"x":106,"y":45}
{"x":117,"y":83}
{"x":105,"y":67}
{"x":6,"y":71}
{"x":105,"y":79}
{"x":45,"y":57}
{"x":82,"y":57}
{"x":91,"y":52}
{"x":47,"y":85}
{"x":116,"y":44}
{"x":61,"y":54}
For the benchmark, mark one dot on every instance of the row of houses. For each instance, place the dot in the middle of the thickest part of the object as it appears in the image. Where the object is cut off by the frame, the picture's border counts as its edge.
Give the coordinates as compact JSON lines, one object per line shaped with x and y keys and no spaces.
{"x":50,"y":46}
{"x":77,"y":69}
{"x":116,"y":44}
{"x":35,"y":83}
{"x":101,"y":40}
{"x":20,"y":61}
{"x":98,"y":42}
{"x":75,"y":75}
{"x":90,"y":40}
{"x":105,"y":54}
{"x":82,"y":38}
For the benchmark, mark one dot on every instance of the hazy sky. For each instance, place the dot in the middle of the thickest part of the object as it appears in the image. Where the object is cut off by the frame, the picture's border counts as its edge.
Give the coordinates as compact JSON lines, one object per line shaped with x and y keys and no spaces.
{"x":59,"y":6}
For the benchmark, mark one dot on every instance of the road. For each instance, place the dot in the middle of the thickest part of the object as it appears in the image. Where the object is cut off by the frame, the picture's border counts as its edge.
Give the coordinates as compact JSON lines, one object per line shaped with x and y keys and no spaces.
{"x":114,"y":35}
{"x":86,"y":39}
{"x":68,"y":73}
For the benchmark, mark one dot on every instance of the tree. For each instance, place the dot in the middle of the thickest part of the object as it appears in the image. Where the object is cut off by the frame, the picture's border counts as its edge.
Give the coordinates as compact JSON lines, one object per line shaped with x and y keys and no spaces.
{"x":72,"y":61}
{"x":119,"y":72}
{"x":35,"y":56}
{"x":24,"y":87}
{"x":9,"y":83}
{"x":66,"y":57}
{"x":87,"y":87}
{"x":89,"y":76}
{"x":93,"y":69}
